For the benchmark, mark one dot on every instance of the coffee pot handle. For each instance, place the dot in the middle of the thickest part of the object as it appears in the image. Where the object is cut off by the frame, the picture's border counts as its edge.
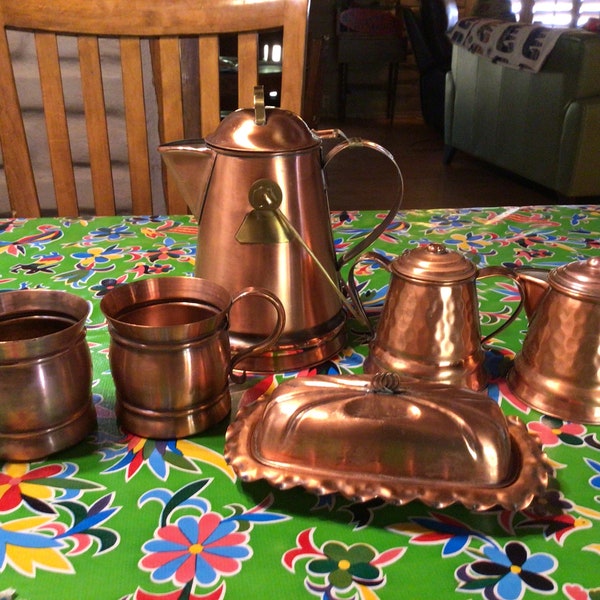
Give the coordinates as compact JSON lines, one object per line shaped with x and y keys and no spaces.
{"x":353,"y":143}
{"x":500,"y":271}
{"x":269,"y":341}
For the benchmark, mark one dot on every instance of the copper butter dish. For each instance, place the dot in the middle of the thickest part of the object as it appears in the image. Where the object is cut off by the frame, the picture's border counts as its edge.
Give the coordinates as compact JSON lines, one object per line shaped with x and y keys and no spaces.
{"x":380,"y":436}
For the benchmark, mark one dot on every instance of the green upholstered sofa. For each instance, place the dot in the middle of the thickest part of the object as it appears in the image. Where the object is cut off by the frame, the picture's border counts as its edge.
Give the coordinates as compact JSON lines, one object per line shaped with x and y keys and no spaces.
{"x":544,"y":126}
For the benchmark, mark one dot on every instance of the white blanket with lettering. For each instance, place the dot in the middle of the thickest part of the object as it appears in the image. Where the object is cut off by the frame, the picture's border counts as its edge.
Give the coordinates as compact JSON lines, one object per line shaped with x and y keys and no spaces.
{"x":515,"y":45}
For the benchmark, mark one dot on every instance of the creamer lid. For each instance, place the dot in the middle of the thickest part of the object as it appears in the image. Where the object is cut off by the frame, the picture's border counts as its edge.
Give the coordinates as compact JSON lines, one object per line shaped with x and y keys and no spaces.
{"x":434,"y":263}
{"x":579,"y":278}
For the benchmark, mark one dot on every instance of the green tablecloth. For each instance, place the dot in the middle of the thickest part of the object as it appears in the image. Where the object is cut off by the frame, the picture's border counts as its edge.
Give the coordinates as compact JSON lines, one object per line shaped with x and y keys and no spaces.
{"x":123,"y":517}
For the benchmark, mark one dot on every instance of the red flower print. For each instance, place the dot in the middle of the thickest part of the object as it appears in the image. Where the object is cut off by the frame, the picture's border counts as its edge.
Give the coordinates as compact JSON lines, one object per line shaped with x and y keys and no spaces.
{"x":553,"y":431}
{"x":17,"y":482}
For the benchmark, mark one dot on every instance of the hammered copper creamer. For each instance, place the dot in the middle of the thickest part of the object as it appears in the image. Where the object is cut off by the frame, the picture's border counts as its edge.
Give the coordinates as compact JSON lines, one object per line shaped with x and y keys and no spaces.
{"x":558,"y":369}
{"x":257,"y":187}
{"x":429,"y":327}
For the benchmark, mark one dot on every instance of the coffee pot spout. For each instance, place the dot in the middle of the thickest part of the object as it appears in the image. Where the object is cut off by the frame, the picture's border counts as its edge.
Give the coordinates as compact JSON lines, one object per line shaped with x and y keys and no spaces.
{"x":191,"y":162}
{"x":534,"y":284}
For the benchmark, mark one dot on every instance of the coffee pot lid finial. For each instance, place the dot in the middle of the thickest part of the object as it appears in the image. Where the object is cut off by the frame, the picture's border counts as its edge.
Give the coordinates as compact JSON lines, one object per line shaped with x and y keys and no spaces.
{"x":262,"y":129}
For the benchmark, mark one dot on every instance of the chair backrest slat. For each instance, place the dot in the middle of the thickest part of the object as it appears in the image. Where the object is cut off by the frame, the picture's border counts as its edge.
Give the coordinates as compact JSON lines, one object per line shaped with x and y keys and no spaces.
{"x":247,"y":68}
{"x":293,"y":57}
{"x":167,"y":77}
{"x":174,"y":31}
{"x":208,"y":48}
{"x":135,"y":121}
{"x":17,"y":162}
{"x":97,"y":131}
{"x":65,"y":190}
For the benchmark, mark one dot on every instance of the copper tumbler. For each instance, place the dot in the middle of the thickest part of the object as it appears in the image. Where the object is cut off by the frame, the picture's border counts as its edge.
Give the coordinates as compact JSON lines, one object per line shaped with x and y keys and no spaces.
{"x":170,"y":355}
{"x":45,"y":373}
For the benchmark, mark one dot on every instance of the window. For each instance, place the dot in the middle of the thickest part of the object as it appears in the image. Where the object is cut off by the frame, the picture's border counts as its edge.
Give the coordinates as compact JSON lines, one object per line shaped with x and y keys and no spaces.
{"x":556,"y":13}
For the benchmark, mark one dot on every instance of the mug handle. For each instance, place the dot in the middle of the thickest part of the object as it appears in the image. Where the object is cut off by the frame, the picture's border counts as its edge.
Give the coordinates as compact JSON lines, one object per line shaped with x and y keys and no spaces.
{"x":500,"y":271}
{"x":357,"y":142}
{"x":353,"y":292}
{"x":269,"y":341}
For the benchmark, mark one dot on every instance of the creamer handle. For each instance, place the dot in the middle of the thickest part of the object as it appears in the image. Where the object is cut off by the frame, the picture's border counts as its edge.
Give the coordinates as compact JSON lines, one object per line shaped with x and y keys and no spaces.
{"x":500,"y":271}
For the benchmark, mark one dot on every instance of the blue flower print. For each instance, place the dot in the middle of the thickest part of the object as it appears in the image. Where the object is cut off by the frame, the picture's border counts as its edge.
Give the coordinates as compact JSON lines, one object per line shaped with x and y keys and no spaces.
{"x":507,"y":573}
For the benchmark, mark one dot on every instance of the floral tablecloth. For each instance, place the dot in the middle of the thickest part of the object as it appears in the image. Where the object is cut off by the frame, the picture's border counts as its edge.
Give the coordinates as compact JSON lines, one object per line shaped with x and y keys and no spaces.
{"x":119,"y":516}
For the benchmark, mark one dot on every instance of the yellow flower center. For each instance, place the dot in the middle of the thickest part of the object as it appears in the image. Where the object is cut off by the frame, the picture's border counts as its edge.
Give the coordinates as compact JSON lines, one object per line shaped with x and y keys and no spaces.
{"x":556,"y":431}
{"x":196,"y":548}
{"x":344,"y":565}
{"x":515,"y":569}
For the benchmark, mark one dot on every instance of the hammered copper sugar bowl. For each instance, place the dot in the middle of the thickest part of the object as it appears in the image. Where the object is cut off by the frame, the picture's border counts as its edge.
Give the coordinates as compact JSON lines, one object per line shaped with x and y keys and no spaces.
{"x":557,"y":370}
{"x":45,"y":374}
{"x":430,"y":326}
{"x":170,"y":355}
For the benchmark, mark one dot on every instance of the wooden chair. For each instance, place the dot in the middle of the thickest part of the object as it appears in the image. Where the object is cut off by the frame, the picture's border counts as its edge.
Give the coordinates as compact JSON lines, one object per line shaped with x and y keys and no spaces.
{"x":368,"y":36}
{"x":168,"y":25}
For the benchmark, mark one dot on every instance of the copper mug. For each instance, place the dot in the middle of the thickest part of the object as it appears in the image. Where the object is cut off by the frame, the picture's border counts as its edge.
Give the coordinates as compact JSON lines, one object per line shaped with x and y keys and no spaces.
{"x":170,"y":355}
{"x":45,"y":374}
{"x":430,"y":326}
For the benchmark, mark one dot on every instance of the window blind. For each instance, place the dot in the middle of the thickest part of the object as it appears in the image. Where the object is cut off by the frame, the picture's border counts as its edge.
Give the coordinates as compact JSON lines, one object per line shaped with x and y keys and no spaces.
{"x":556,"y":13}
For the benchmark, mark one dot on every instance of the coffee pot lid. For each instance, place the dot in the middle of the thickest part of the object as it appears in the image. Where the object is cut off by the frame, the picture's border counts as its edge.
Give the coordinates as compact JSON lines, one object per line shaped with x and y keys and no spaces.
{"x":579,"y":278}
{"x":434,"y":263}
{"x":262,"y":129}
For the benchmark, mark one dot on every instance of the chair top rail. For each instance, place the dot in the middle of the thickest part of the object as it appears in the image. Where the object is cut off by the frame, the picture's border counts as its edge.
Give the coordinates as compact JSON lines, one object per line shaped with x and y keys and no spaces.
{"x":143,"y":18}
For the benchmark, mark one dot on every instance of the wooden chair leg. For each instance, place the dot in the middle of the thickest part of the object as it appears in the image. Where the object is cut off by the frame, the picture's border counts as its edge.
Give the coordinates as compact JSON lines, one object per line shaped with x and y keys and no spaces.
{"x":315,"y":79}
{"x":393,"y":72}
{"x":449,"y":153}
{"x":343,"y":90}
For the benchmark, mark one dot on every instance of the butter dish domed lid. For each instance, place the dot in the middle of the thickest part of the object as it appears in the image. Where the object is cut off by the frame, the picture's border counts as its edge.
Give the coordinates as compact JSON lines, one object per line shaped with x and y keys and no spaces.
{"x":382,"y":436}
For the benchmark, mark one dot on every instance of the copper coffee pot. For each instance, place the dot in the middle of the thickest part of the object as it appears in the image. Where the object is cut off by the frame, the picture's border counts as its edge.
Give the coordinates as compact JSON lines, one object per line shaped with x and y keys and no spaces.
{"x":429,"y":327}
{"x":258,"y":189}
{"x":558,"y":368}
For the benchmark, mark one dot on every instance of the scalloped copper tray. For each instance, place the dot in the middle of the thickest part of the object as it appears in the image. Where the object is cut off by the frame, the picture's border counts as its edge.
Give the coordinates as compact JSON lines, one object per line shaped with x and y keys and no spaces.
{"x":383,"y":437}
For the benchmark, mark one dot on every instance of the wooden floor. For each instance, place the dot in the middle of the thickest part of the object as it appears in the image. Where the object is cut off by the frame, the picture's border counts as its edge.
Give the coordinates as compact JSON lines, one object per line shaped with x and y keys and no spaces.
{"x":363,"y":179}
